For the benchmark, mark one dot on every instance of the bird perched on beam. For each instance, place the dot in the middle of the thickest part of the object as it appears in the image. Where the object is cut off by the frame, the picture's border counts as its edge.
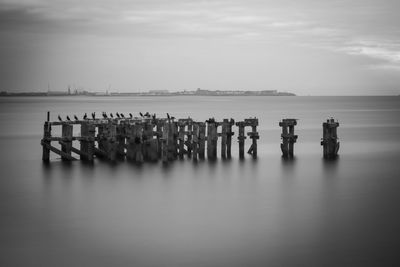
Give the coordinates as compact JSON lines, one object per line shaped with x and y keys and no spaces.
{"x":68,"y":119}
{"x":130,"y":115}
{"x":141,"y":114}
{"x":122,"y":115}
{"x":85,"y":116}
{"x":116,"y":113}
{"x":76,"y":118}
{"x":111,"y":115}
{"x":59,"y":118}
{"x":104,"y":115}
{"x":94,"y":115}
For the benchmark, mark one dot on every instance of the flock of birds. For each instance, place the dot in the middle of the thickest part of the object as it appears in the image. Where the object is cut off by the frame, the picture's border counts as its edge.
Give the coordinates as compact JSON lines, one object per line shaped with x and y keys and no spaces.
{"x":111,"y":116}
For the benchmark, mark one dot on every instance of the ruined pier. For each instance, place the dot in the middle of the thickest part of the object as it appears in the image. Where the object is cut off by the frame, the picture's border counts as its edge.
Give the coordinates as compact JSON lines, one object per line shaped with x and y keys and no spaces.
{"x":144,"y":138}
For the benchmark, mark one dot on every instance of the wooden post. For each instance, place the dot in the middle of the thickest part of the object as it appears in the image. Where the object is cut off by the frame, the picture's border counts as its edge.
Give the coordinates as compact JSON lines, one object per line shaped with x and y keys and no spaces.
{"x":330,"y":140}
{"x":288,"y":137}
{"x":111,"y":141}
{"x":181,"y":138}
{"x":241,"y":138}
{"x":150,"y":145}
{"x":202,"y":139}
{"x":189,"y":137}
{"x":253,"y":135}
{"x":159,"y":134}
{"x":173,"y":143}
{"x":195,"y":141}
{"x":165,"y":142}
{"x":88,"y":131}
{"x":224,"y":138}
{"x":46,"y":139}
{"x":66,"y":143}
{"x":212,"y":139}
{"x":229,"y":135}
{"x":121,"y":140}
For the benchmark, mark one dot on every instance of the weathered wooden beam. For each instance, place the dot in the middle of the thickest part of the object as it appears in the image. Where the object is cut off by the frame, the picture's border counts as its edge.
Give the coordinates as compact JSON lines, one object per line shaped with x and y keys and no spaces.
{"x":57,"y":151}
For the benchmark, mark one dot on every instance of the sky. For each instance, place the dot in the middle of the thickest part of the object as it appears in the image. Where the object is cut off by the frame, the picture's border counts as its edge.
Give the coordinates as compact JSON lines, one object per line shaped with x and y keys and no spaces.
{"x":307,"y":47}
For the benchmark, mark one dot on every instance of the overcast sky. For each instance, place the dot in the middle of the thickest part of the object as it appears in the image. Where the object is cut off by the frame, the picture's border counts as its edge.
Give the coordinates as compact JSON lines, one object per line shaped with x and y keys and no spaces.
{"x":303,"y":46}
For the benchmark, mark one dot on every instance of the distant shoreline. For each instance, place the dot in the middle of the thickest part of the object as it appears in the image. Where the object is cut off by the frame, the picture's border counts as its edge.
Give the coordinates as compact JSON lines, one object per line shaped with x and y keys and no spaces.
{"x":198,"y":92}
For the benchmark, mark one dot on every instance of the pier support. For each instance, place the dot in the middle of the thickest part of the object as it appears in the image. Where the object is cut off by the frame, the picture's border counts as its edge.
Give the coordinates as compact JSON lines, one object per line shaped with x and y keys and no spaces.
{"x":212,"y":139}
{"x":330,"y":140}
{"x":253,"y":135}
{"x":88,"y":132}
{"x":288,"y":137}
{"x":66,"y":143}
{"x":241,"y":138}
{"x":46,"y":139}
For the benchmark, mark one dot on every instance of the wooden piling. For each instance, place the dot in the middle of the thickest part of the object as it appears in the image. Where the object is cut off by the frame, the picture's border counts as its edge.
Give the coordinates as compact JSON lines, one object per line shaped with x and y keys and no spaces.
{"x":181,"y":138}
{"x":66,"y":143}
{"x":288,"y":137}
{"x":330,"y":140}
{"x":195,"y":141}
{"x":224,"y":138}
{"x":202,"y":139}
{"x":121,"y":141}
{"x":241,"y":138}
{"x":212,"y":139}
{"x":46,"y":140}
{"x":150,"y":145}
{"x":88,"y":131}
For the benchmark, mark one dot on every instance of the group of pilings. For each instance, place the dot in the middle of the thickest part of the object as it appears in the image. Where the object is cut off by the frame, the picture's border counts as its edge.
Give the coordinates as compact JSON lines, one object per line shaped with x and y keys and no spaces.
{"x":147,"y":139}
{"x":329,"y":140}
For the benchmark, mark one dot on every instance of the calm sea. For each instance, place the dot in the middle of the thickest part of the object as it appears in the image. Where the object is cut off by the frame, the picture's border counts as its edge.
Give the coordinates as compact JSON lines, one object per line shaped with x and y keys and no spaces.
{"x":264,"y":212}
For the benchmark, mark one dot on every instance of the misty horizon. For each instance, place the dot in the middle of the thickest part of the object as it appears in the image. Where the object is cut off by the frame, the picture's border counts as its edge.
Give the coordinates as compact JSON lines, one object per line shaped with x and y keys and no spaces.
{"x":305,"y":47}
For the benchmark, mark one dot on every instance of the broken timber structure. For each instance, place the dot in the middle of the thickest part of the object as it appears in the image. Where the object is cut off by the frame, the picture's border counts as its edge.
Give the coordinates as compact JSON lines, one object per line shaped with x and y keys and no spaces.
{"x":329,"y":139}
{"x":145,"y":138}
{"x":288,"y":137}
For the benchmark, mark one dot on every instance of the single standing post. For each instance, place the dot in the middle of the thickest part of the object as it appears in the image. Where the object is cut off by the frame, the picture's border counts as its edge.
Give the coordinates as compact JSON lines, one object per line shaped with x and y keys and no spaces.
{"x":66,"y":143}
{"x":288,"y":137}
{"x":46,"y":139}
{"x":189,"y":137}
{"x":241,"y":138}
{"x":330,"y":140}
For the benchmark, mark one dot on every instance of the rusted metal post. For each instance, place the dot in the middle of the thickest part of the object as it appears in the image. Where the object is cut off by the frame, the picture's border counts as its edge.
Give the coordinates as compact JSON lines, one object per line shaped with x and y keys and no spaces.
{"x":330,"y":140}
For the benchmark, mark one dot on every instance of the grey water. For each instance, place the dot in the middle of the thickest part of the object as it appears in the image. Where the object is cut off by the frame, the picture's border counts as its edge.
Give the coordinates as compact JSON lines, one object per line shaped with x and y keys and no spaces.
{"x":264,"y":212}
